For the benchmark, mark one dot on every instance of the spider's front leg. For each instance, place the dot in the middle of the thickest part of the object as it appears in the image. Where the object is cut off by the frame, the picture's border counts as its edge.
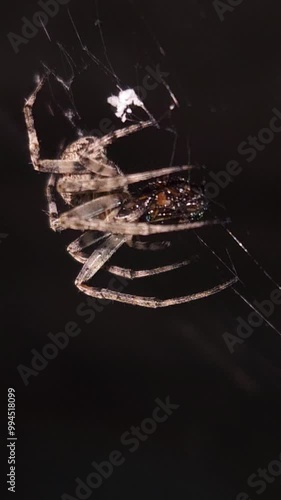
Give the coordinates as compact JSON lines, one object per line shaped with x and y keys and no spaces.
{"x":108,"y":139}
{"x":50,"y":166}
{"x":34,"y":146}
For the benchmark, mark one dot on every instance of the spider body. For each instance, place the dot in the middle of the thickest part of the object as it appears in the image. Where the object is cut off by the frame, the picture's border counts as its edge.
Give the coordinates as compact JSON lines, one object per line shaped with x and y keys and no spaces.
{"x":112,"y":209}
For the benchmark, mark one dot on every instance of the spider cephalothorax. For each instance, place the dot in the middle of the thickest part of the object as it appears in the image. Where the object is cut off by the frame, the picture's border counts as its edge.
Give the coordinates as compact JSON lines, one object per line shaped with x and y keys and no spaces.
{"x":111,"y":208}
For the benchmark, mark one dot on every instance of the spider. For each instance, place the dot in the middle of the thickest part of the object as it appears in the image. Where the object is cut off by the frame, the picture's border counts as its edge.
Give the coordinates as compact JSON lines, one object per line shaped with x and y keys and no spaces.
{"x":101,"y":205}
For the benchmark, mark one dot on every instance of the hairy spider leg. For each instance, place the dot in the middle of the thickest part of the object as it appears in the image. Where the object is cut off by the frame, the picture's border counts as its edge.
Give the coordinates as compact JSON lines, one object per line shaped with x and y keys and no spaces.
{"x":93,"y":208}
{"x":132,"y":274}
{"x":86,"y":240}
{"x":151,"y":302}
{"x":80,"y":184}
{"x":34,"y":147}
{"x":130,"y":228}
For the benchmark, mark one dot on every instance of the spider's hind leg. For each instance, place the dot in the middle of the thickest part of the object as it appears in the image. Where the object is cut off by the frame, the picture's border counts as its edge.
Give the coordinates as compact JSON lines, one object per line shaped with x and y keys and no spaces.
{"x":152,"y":302}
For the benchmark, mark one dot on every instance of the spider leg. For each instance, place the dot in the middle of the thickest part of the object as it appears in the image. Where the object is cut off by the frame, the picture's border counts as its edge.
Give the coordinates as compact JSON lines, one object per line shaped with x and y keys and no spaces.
{"x":52,"y":204}
{"x":51,"y":166}
{"x":131,"y":274}
{"x":93,"y":208}
{"x":107,"y":205}
{"x":98,"y":166}
{"x":98,"y":258}
{"x":84,"y":241}
{"x":29,"y":120}
{"x":61,"y":167}
{"x":152,"y":302}
{"x":108,"y":139}
{"x":131,"y":228}
{"x":120,"y":181}
{"x":85,"y":164}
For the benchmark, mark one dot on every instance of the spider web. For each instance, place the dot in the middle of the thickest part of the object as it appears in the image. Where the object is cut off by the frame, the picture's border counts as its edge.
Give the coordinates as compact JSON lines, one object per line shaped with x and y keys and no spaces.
{"x":109,"y":50}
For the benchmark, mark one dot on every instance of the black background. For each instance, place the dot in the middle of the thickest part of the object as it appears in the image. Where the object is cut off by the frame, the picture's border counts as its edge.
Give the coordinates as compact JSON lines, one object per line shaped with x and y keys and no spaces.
{"x":228,"y":78}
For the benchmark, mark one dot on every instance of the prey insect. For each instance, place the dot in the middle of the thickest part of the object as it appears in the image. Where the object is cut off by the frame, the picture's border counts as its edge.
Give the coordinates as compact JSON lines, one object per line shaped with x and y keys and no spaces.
{"x":100,"y":203}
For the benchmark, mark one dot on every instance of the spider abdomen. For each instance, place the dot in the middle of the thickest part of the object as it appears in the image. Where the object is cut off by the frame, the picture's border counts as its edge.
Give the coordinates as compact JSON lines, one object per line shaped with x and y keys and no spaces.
{"x":168,"y":199}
